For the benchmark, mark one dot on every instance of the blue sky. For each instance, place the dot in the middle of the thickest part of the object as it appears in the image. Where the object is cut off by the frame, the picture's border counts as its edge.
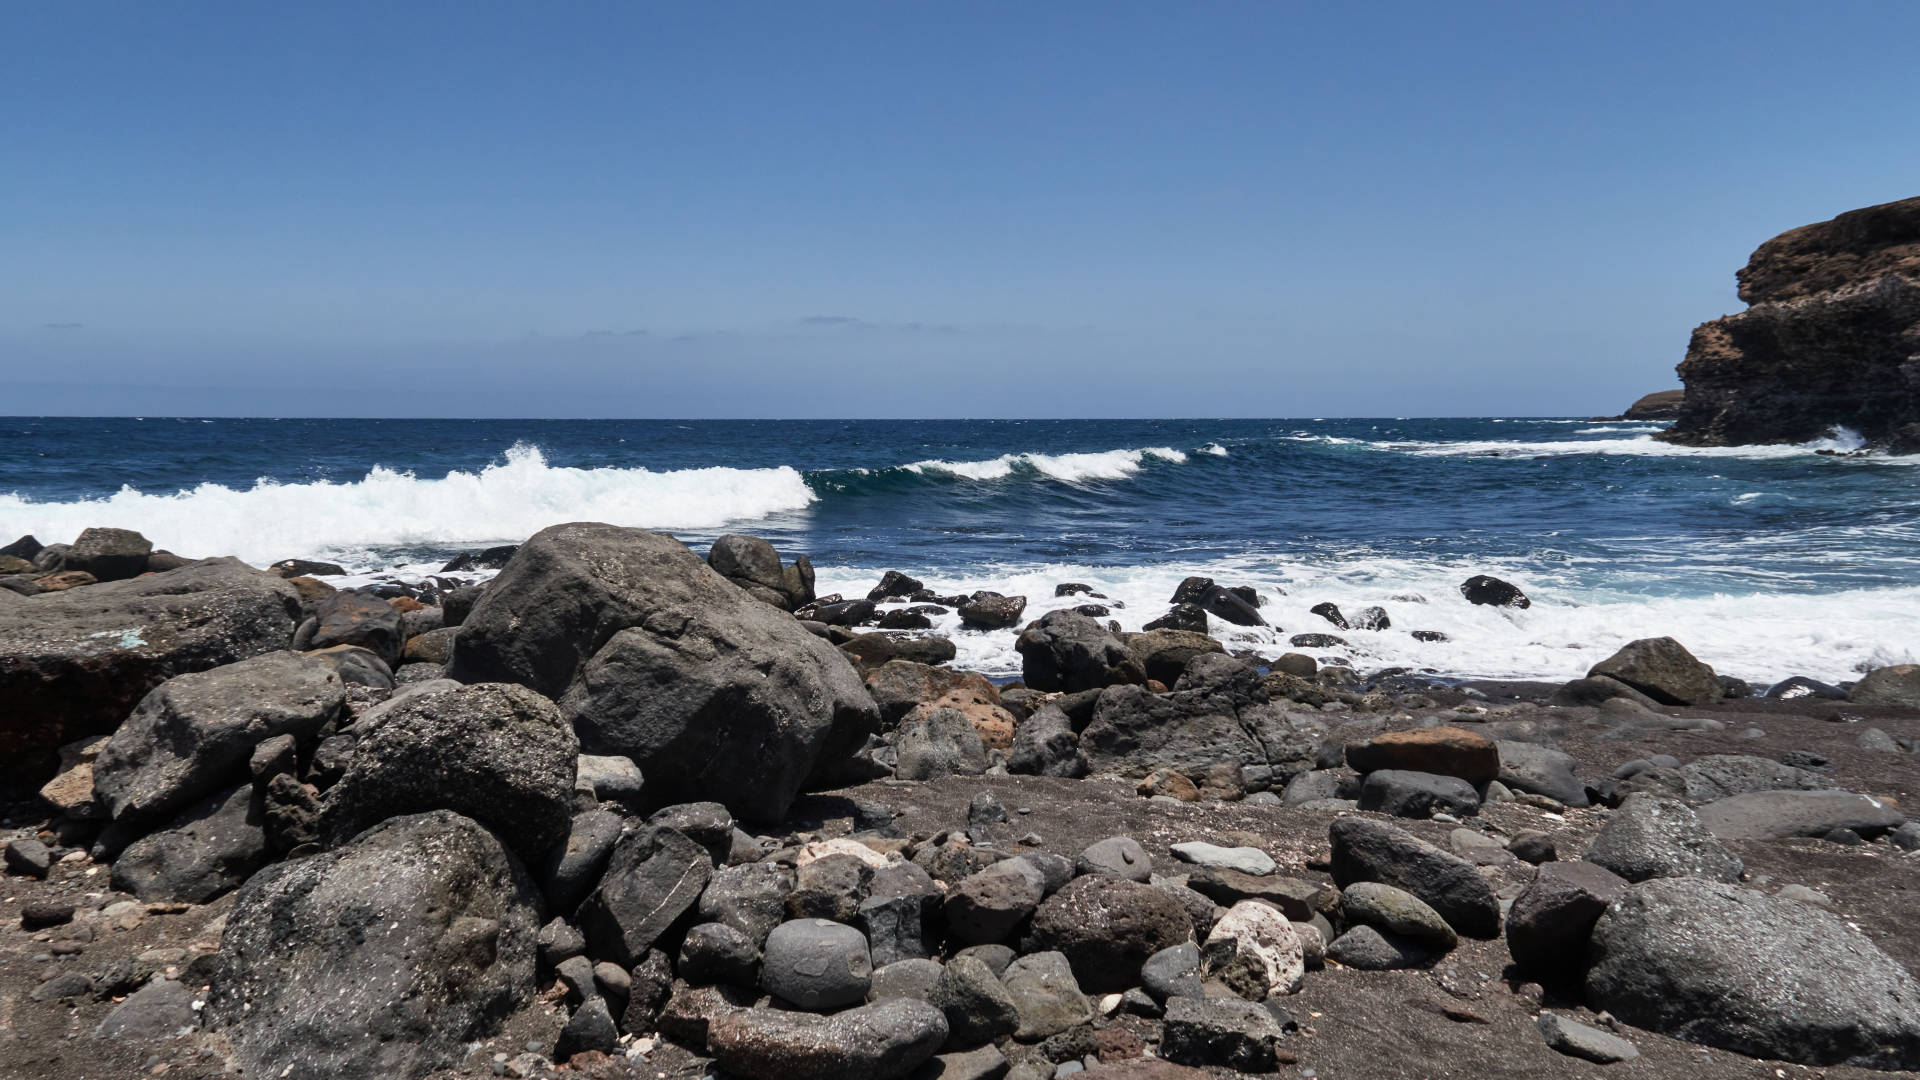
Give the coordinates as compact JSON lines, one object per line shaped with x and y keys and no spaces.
{"x":840,"y":209}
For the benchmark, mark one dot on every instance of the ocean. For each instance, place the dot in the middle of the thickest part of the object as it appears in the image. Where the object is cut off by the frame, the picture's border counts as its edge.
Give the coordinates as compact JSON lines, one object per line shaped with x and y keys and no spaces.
{"x":1764,"y":561}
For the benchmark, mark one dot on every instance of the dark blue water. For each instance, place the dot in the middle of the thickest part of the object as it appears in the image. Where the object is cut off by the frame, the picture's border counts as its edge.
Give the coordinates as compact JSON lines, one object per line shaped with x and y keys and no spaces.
{"x":1762,"y":559}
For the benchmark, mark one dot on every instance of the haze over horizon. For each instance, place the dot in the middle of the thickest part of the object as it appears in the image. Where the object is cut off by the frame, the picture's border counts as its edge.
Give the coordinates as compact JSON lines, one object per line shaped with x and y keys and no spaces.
{"x":605,"y":210}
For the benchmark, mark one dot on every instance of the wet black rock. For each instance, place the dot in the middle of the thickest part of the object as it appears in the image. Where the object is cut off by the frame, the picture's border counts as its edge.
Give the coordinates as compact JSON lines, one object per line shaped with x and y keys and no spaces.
{"x":1799,"y":686}
{"x":895,"y":585}
{"x":1188,"y":617}
{"x":493,"y":558}
{"x":1064,"y":650}
{"x":991,"y":611}
{"x":1330,"y":612}
{"x":1492,"y":592}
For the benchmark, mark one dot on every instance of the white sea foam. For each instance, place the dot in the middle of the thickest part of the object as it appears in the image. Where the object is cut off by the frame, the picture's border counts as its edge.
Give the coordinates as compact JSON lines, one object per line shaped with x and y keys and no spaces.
{"x":503,"y":503}
{"x":1213,"y":448}
{"x":1073,"y":468}
{"x":1758,"y":636}
{"x":1841,"y":440}
{"x":1607,"y":429}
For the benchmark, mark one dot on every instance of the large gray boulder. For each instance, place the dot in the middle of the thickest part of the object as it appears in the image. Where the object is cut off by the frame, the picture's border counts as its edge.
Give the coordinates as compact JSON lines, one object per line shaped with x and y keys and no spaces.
{"x":754,"y":565}
{"x":1777,"y":815}
{"x":1064,"y":650}
{"x":1046,"y":997}
{"x":1549,"y":924}
{"x":1763,"y":976}
{"x":1218,"y":713}
{"x":1662,"y":669}
{"x":361,"y":620}
{"x":1046,"y":744}
{"x":1406,"y":794}
{"x":935,"y":743}
{"x":816,"y":964}
{"x":1897,"y":685}
{"x":193,"y":733}
{"x":75,"y":663}
{"x":1718,"y":776}
{"x":109,"y":554}
{"x":382,"y":959}
{"x":653,"y":655}
{"x":500,"y":754}
{"x":1652,"y":837}
{"x":1542,"y":770}
{"x":1366,"y":850}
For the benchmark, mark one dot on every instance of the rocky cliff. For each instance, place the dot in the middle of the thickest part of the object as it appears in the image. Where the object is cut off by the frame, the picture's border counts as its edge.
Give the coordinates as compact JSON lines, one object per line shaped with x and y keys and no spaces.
{"x":1659,"y":405}
{"x":1831,"y":339}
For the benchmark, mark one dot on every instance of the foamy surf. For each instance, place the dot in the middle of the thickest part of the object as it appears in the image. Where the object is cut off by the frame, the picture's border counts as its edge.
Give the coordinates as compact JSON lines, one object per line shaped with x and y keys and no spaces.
{"x":504,"y":502}
{"x":1841,"y":441}
{"x":1072,"y":468}
{"x":1760,"y":637}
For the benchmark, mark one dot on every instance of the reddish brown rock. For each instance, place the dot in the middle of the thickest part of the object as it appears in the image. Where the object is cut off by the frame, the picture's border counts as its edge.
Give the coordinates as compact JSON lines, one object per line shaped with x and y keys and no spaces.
{"x":1446,"y":751}
{"x":1169,"y":783}
{"x":994,"y":723}
{"x":63,"y":580}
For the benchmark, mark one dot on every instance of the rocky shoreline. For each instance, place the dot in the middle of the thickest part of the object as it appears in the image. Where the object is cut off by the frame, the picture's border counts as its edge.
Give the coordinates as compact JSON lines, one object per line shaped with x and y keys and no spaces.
{"x":628,"y":811}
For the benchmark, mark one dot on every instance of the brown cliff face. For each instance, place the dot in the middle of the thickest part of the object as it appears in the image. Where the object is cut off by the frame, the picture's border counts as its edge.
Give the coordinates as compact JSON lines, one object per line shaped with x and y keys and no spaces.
{"x":1832,"y":339}
{"x":1857,"y":246}
{"x":1659,"y":405}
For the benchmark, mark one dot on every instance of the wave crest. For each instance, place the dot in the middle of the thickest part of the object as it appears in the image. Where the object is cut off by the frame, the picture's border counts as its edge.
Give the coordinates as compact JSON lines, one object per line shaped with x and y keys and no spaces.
{"x":1072,"y":468}
{"x":505,"y":502}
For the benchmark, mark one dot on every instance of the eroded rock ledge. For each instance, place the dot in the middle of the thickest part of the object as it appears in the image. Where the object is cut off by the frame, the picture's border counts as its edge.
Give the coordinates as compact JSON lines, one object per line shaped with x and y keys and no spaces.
{"x":1831,"y":339}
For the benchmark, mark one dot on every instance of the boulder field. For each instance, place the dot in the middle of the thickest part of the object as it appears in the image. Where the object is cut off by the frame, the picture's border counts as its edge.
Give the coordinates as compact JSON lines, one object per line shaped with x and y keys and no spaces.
{"x":622,"y":811}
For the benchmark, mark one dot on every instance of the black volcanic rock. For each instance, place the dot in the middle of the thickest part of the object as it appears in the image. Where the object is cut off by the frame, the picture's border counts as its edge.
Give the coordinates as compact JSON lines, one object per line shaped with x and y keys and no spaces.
{"x":653,"y":655}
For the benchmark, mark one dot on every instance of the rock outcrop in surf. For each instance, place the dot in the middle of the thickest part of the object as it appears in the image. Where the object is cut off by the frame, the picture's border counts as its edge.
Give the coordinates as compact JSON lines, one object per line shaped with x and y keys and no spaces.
{"x":1831,"y":339}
